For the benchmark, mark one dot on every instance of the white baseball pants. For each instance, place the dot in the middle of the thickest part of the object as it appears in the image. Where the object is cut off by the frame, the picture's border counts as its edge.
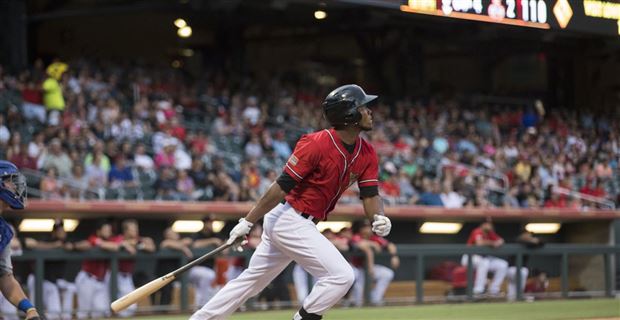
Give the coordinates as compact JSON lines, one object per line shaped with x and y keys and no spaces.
{"x":201,"y":278}
{"x":287,"y":236}
{"x":382,"y":278}
{"x":125,"y":285}
{"x":93,"y":296}
{"x":512,"y":281}
{"x":57,"y":297}
{"x":483,"y":266}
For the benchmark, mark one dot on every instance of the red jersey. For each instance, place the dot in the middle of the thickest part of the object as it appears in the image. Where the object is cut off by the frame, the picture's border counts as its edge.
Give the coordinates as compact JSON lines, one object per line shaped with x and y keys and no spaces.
{"x":124,"y":265}
{"x":358,"y":261}
{"x":96,"y":268}
{"x":324,"y":169}
{"x":478,"y":233}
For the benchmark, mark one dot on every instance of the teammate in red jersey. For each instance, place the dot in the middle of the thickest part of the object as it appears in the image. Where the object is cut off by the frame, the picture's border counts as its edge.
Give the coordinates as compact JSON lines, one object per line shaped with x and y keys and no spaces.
{"x":323,"y":165}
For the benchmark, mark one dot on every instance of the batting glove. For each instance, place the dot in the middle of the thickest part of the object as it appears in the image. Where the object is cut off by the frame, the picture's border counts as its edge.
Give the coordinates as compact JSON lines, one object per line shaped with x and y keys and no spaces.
{"x":382,"y":225}
{"x":239,"y":232}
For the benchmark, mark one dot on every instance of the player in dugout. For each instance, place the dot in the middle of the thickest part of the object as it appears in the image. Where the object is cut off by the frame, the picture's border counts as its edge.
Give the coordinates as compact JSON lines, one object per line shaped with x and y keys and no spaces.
{"x":13,"y":195}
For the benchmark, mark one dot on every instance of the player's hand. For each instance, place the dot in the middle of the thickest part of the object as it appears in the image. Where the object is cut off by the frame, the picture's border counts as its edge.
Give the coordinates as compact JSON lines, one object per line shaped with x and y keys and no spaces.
{"x":239,"y":232}
{"x":395,"y":262}
{"x":32,"y":314}
{"x":382,"y":225}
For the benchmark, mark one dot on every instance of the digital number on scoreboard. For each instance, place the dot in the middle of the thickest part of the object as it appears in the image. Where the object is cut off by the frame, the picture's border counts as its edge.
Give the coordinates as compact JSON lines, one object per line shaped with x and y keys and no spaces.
{"x":597,"y":16}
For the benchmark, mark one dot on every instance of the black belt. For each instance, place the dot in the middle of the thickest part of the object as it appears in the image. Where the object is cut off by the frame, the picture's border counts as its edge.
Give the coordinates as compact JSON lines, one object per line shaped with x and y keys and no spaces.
{"x":310,"y":217}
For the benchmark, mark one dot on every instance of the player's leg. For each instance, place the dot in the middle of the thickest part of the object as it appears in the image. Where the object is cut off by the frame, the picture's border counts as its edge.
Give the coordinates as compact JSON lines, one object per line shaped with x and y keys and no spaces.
{"x":85,"y":287}
{"x":51,"y":300}
{"x":482,"y":270}
{"x":357,"y":291}
{"x":383,"y":277}
{"x":202,"y":278}
{"x":101,"y":299}
{"x":512,"y":281}
{"x":266,"y":263}
{"x":67,"y":293}
{"x":125,"y":286}
{"x":300,"y":279}
{"x":499,"y":267}
{"x":301,"y":240}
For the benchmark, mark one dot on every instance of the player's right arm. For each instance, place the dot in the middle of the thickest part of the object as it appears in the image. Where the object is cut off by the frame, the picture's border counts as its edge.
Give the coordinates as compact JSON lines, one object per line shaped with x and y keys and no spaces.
{"x":268,"y":201}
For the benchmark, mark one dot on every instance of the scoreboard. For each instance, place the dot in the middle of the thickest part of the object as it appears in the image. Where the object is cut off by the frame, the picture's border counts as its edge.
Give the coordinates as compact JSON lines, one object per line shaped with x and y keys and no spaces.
{"x":596,"y":16}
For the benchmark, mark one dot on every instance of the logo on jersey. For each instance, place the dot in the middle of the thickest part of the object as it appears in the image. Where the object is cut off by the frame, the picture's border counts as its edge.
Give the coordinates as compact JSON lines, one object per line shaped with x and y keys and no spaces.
{"x":293,"y":160}
{"x":352,"y":178}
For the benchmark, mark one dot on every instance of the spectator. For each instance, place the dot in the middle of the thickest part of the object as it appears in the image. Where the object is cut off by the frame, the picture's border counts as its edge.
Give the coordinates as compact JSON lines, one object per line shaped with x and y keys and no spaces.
{"x":142,"y":160}
{"x":96,"y":175}
{"x":166,"y":185}
{"x":430,"y":195}
{"x":22,"y":160}
{"x":185,"y":186}
{"x":120,"y":175}
{"x":57,"y":157}
{"x":449,"y":197}
{"x":58,"y":293}
{"x":372,"y":244}
{"x":166,"y":158}
{"x":36,"y":146}
{"x":78,"y":183}
{"x":104,"y":161}
{"x":50,"y":186}
{"x":5,"y":134}
{"x":253,"y":148}
{"x":485,"y":236}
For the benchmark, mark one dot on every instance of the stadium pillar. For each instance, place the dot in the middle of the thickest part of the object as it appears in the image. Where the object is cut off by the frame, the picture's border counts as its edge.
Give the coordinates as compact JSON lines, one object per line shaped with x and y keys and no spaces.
{"x":419,"y":279}
{"x":564,"y":275}
{"x":38,"y":283}
{"x":14,"y":37}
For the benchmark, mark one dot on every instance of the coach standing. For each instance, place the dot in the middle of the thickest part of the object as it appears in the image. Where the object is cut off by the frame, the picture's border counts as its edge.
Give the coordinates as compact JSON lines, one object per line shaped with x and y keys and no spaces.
{"x":323,"y":165}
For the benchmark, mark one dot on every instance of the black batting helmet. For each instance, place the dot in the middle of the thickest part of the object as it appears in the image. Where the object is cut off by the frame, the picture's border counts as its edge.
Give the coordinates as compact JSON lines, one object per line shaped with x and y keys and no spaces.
{"x":340,"y":106}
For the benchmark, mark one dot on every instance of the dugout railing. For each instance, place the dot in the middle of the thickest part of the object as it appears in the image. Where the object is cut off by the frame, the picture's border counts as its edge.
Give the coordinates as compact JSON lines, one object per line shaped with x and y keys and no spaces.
{"x":419,"y":252}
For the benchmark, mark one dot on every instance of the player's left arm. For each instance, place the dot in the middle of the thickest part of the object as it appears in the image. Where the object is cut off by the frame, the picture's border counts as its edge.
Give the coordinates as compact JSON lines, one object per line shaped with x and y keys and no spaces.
{"x":368,"y":184}
{"x":13,"y":292}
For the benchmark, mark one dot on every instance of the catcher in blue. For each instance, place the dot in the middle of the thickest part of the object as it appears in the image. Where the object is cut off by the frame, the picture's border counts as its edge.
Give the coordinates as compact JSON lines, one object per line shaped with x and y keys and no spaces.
{"x":12,"y":194}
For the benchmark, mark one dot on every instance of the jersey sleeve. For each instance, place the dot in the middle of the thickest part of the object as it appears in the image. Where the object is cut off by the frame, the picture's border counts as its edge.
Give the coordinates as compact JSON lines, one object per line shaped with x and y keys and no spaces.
{"x":304,"y":159}
{"x":370,"y":176}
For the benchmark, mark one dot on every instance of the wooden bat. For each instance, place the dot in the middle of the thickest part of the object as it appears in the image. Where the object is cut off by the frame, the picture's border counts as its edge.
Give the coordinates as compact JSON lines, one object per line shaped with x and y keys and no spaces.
{"x":148,"y":289}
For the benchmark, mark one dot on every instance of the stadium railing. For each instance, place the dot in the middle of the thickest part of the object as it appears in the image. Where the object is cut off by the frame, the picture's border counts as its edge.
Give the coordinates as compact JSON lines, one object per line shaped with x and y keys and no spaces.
{"x":420,"y":252}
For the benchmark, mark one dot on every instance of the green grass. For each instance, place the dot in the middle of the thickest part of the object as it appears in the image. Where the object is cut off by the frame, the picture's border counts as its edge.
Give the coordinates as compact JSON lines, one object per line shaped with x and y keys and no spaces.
{"x":540,"y":310}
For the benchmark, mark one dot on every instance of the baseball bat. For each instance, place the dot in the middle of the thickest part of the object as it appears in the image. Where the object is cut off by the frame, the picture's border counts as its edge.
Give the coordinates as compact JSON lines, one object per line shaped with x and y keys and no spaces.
{"x":148,"y":289}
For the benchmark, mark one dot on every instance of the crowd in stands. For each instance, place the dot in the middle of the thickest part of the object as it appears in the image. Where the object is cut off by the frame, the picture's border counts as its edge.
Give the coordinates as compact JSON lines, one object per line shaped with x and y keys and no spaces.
{"x":88,"y":130}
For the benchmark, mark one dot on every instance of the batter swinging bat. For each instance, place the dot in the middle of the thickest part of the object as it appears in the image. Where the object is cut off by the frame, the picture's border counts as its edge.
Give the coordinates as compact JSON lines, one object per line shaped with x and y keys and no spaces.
{"x":148,"y":289}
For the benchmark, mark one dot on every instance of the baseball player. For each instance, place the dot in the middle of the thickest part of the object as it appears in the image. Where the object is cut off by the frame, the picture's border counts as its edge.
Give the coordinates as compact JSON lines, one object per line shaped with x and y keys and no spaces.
{"x":381,"y":275}
{"x":58,"y":293}
{"x":12,"y":194}
{"x":130,"y":237}
{"x":323,"y":165}
{"x":92,"y":290}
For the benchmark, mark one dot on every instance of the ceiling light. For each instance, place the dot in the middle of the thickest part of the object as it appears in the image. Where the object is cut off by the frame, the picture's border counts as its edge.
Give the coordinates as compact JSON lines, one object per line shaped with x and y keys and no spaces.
{"x":543,"y":227}
{"x":185,"y":32}
{"x":180,"y":23}
{"x":320,"y":14}
{"x":335,"y":226}
{"x":441,"y":227}
{"x":187,"y":226}
{"x":70,"y":224}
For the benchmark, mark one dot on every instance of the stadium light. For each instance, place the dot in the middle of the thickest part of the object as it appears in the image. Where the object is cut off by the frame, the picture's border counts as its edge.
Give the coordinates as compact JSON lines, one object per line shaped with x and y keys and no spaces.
{"x":70,"y":224}
{"x":320,"y":14}
{"x":441,"y":227}
{"x":180,"y":23}
{"x":185,"y":32}
{"x":543,"y":227}
{"x":333,"y":225}
{"x":46,"y":225}
{"x":189,"y":226}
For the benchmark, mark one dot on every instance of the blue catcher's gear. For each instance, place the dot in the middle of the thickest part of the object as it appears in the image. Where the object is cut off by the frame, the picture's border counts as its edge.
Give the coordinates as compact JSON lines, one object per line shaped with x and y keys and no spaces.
{"x":12,"y":185}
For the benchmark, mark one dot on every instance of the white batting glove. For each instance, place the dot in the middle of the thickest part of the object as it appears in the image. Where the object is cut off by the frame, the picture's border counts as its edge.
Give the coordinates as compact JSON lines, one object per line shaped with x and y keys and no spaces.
{"x":239,"y":231}
{"x":382,"y":225}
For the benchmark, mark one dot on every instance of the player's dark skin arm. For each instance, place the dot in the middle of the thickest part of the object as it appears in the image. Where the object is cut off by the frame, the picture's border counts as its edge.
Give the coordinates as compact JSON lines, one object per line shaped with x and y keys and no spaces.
{"x":203,"y":243}
{"x":43,"y":245}
{"x":372,"y":205}
{"x":268,"y":201}
{"x":13,"y":292}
